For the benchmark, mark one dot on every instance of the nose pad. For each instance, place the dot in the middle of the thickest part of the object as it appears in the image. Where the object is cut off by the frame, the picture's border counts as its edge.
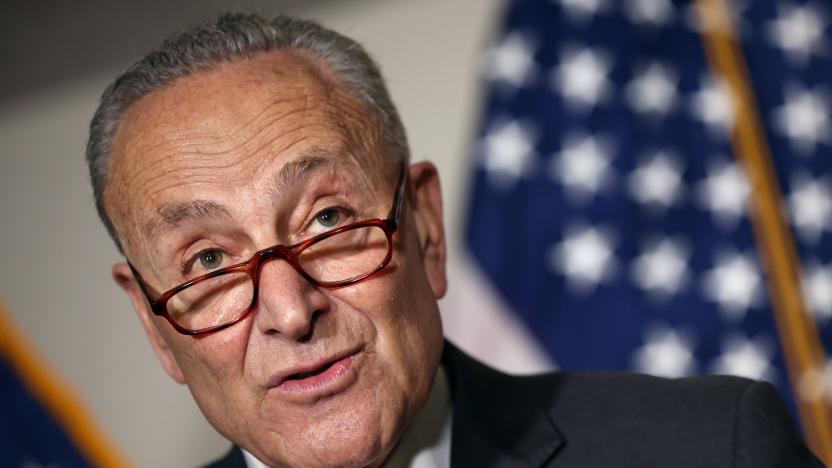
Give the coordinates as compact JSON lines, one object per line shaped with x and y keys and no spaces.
{"x":287,"y":302}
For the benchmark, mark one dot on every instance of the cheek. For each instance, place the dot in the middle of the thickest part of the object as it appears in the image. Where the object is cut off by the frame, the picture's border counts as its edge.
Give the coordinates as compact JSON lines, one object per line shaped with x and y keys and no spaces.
{"x":417,"y":322}
{"x":214,"y":361}
{"x":398,"y":306}
{"x":213,"y":367}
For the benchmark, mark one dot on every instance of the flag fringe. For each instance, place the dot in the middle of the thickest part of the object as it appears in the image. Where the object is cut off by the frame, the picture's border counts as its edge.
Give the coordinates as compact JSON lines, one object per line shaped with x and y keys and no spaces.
{"x":54,"y":394}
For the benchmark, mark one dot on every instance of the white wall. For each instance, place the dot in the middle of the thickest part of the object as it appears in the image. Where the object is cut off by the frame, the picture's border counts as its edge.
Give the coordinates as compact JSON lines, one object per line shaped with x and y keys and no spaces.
{"x":56,"y":257}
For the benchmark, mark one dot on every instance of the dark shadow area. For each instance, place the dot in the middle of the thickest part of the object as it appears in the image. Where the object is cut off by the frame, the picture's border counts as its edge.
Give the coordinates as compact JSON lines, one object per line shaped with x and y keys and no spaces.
{"x":44,"y":42}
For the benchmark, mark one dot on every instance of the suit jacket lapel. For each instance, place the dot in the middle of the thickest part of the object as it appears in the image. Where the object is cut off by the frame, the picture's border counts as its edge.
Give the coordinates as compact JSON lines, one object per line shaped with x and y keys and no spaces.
{"x":498,"y":420}
{"x":232,"y":459}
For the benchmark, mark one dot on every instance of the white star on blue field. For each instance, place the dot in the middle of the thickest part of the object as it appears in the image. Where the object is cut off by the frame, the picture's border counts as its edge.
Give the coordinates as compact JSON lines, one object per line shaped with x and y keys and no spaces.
{"x":608,"y":208}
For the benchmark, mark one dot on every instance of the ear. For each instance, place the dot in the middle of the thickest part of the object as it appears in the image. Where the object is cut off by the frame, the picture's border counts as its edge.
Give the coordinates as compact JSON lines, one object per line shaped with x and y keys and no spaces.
{"x":124,"y":277}
{"x":426,"y":203}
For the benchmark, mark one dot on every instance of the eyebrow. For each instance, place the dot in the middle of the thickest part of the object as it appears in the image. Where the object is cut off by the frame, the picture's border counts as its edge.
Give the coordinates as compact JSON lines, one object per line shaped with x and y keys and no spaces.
{"x":294,"y":172}
{"x":175,"y":214}
{"x":286,"y":179}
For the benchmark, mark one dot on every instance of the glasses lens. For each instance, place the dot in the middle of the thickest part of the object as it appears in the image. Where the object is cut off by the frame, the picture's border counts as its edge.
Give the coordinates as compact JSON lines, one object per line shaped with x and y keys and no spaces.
{"x":346,"y":255}
{"x":212,"y":302}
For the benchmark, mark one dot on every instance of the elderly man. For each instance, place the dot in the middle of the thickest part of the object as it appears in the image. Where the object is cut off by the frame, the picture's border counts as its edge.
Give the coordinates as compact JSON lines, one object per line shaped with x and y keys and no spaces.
{"x":285,"y":262}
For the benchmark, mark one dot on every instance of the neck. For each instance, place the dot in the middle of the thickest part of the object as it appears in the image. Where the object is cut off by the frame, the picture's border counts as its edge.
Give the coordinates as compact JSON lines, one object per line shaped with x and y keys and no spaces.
{"x":426,"y":441}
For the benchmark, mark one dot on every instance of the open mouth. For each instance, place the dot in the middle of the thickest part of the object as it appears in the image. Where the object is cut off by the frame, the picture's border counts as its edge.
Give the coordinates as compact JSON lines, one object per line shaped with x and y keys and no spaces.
{"x":327,"y":377}
{"x":318,"y":371}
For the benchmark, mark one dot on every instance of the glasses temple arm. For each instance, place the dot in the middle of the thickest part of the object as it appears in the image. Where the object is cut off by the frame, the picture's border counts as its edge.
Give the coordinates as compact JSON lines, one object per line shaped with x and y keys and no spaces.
{"x":148,"y":294}
{"x":398,"y":201}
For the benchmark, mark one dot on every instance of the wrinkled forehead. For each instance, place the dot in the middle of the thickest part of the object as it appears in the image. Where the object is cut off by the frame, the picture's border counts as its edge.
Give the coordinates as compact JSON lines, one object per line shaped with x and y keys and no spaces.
{"x":231,"y":124}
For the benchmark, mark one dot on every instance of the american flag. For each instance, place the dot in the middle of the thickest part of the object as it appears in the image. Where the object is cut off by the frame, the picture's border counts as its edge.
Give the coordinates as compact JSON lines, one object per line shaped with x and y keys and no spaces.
{"x":607,"y":207}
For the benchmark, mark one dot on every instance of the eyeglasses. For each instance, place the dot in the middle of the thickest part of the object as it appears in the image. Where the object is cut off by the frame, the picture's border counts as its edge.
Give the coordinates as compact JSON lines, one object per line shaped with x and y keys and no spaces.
{"x":336,"y":258}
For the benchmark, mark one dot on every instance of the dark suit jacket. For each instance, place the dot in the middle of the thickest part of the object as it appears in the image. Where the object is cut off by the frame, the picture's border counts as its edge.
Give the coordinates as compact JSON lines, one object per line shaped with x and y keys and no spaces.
{"x":611,"y":420}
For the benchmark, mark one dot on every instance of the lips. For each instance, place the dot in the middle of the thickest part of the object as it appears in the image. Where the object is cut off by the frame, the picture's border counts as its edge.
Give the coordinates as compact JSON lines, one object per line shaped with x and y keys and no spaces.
{"x":315,"y":376}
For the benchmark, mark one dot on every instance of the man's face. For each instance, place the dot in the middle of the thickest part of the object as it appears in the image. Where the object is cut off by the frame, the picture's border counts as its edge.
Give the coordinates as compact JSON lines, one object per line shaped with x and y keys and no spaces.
{"x":260,"y":152}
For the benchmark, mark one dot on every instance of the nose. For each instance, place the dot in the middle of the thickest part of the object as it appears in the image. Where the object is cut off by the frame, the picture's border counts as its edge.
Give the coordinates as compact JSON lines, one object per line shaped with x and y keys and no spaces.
{"x":287,"y":303}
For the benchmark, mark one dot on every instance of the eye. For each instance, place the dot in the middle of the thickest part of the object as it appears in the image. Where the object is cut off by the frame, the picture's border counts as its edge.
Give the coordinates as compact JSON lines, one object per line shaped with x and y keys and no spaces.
{"x":328,"y":218}
{"x":210,"y":259}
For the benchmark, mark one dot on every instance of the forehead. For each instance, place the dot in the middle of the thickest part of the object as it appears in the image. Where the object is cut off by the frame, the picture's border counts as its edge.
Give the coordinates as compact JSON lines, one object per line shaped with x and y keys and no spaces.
{"x":228,"y":125}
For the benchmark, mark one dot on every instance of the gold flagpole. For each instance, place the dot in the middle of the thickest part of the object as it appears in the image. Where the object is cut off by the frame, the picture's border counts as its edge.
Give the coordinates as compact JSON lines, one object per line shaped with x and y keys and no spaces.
{"x":55,"y":397}
{"x":798,"y":333}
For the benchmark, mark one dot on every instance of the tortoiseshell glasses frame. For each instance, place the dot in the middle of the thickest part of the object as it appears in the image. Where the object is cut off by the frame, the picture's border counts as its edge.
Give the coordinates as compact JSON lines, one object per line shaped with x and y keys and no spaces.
{"x":290,"y":253}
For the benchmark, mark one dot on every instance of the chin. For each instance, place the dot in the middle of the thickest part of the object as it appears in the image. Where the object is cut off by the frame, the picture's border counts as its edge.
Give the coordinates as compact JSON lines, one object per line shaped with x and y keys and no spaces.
{"x":343,"y":440}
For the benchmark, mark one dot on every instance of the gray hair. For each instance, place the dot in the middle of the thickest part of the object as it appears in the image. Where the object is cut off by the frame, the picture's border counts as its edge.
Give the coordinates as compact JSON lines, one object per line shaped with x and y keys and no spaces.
{"x":228,"y":37}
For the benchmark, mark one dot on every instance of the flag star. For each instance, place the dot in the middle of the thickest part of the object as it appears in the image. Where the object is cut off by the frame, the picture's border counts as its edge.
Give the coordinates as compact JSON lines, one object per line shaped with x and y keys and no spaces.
{"x":816,"y":288}
{"x":662,"y":268}
{"x":746,"y":358}
{"x":508,"y":153}
{"x":583,"y":165}
{"x":653,"y":90}
{"x":665,"y":353}
{"x":658,"y":181}
{"x":649,"y":12}
{"x":810,"y":205}
{"x":798,"y":30}
{"x":714,"y":105}
{"x":582,"y":10}
{"x":512,"y":60}
{"x":585,"y":257}
{"x":735,"y":284}
{"x":724,"y":192}
{"x":816,"y":383}
{"x":582,"y":77}
{"x":804,"y":118}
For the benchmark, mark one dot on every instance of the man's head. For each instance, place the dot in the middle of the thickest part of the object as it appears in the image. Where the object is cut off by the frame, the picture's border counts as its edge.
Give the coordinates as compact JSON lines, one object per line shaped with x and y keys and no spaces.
{"x":248,"y":133}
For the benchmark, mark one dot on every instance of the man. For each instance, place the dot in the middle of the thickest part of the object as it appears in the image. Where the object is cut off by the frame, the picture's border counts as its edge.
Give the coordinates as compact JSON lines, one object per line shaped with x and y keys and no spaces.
{"x":285,"y":262}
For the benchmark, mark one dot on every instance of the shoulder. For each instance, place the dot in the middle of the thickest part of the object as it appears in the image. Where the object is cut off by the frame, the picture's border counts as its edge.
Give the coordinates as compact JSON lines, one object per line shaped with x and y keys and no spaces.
{"x":604,"y":393}
{"x":727,"y":421}
{"x":623,"y":394}
{"x":599,"y":419}
{"x":581,"y":396}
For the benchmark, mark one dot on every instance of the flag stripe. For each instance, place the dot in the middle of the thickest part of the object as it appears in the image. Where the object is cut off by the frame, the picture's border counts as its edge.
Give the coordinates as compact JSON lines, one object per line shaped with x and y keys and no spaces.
{"x":801,"y":344}
{"x":55,"y":396}
{"x":609,"y":210}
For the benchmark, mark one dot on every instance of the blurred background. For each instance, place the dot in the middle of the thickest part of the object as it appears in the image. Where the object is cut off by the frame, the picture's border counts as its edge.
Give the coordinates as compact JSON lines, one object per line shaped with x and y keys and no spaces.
{"x":58,"y":57}
{"x":594,"y":211}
